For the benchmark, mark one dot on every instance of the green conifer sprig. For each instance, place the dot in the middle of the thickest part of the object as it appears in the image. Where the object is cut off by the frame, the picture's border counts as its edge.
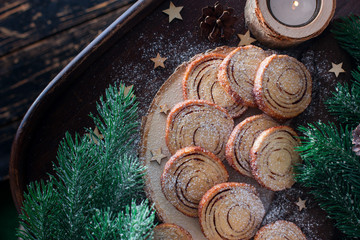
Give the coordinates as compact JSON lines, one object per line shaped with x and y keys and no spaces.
{"x":40,"y":205}
{"x":74,"y":180}
{"x":345,"y":101}
{"x":332,"y":170}
{"x":347,"y":32}
{"x":131,"y":224}
{"x":117,"y":122}
{"x":91,"y":194}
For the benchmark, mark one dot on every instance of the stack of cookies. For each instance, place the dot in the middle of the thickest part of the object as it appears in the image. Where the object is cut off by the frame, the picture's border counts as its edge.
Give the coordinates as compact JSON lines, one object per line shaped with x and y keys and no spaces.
{"x":201,"y":134}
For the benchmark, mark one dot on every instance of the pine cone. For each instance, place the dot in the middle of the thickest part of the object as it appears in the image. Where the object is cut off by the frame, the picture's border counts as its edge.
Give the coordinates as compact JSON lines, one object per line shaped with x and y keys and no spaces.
{"x":217,"y":23}
{"x":356,"y":140}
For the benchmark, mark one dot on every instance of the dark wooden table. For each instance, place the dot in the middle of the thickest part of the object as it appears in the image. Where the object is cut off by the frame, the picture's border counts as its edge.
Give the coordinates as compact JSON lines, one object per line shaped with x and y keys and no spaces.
{"x":37,"y":39}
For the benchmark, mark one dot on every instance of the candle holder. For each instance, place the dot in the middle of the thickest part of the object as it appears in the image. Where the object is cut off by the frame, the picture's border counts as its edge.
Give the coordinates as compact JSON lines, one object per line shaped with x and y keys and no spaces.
{"x":285,"y":23}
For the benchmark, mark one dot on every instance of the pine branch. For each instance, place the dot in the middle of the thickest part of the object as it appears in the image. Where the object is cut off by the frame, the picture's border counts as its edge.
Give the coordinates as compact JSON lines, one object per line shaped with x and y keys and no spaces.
{"x":347,"y":32}
{"x":345,"y":101}
{"x":75,"y":178}
{"x":91,"y":176}
{"x":332,"y":170}
{"x":135,"y":223}
{"x":103,"y":226}
{"x":38,"y":212}
{"x":121,"y":175}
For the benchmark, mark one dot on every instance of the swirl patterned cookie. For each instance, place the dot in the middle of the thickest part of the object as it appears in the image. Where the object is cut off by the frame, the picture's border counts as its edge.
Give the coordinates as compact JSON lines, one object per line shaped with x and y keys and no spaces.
{"x":237,"y":73}
{"x":242,"y":139}
{"x":198,"y":123}
{"x":230,"y":211}
{"x":282,"y":87}
{"x":273,"y":156}
{"x":201,"y":82}
{"x":281,"y":230}
{"x":188,"y":175}
{"x":167,"y":231}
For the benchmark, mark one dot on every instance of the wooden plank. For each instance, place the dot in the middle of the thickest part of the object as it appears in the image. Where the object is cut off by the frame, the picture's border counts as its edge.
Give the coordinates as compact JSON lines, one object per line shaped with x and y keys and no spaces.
{"x":24,"y":74}
{"x":23,"y":22}
{"x":6,"y":137}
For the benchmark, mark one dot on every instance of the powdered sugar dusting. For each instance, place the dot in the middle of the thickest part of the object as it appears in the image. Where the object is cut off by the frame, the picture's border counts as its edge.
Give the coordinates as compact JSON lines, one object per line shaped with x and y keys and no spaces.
{"x":312,"y":221}
{"x":179,"y":51}
{"x":175,"y":52}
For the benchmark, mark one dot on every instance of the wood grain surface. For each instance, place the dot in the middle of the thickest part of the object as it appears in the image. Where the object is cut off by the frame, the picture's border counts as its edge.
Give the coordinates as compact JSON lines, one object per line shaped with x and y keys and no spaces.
{"x":37,"y":40}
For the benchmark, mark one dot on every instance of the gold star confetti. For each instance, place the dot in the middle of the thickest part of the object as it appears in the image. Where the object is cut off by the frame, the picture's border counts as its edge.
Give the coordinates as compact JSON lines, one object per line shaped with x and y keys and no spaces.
{"x":164,"y":109}
{"x":173,"y":12}
{"x":337,"y":69}
{"x":159,"y":61}
{"x":245,"y":39}
{"x":301,"y":204}
{"x":157,"y":155}
{"x":97,"y":134}
{"x":127,"y":90}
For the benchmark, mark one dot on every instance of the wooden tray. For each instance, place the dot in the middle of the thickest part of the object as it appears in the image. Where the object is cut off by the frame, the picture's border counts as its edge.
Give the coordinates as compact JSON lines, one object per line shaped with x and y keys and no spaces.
{"x":122,"y":53}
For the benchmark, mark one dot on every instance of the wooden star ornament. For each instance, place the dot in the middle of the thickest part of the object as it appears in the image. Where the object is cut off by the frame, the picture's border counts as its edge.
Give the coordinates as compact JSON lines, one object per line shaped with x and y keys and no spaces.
{"x":159,"y":61}
{"x":157,"y":155}
{"x":245,"y":39}
{"x":97,"y":134}
{"x":127,"y":89}
{"x":173,"y":12}
{"x":164,"y":109}
{"x":337,"y":69}
{"x":301,"y":204}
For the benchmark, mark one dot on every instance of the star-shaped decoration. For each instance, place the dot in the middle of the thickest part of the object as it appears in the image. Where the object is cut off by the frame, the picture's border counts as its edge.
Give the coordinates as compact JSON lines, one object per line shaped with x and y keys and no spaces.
{"x":301,"y":204}
{"x":245,"y":39}
{"x":164,"y":109}
{"x":173,"y":12}
{"x":97,"y":134}
{"x":157,"y":155}
{"x":159,"y":61}
{"x":127,"y":90}
{"x":337,"y":69}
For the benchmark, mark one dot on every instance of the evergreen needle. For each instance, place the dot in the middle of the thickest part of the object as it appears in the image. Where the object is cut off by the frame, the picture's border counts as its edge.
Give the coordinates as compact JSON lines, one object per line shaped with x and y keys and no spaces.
{"x":332,"y":170}
{"x":347,"y":32}
{"x":345,"y":101}
{"x":96,"y":179}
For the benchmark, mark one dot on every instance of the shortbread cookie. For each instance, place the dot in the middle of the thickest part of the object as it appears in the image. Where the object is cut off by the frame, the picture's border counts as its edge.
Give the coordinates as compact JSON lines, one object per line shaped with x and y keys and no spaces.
{"x":282,"y":86}
{"x":273,"y":156}
{"x":242,"y":139}
{"x":201,"y":82}
{"x":237,"y":73}
{"x":230,"y":211}
{"x":188,"y":175}
{"x":198,"y":123}
{"x":170,"y":231}
{"x":281,"y":230}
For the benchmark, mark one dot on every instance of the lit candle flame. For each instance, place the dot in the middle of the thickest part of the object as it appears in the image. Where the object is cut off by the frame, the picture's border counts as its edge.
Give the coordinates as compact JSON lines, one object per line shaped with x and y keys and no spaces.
{"x":295,"y":4}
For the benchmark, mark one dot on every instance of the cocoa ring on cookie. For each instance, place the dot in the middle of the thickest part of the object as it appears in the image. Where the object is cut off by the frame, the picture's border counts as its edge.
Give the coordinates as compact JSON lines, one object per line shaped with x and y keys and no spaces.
{"x":273,"y":157}
{"x":237,"y":73}
{"x":280,"y":230}
{"x":167,"y":231}
{"x":230,"y":211}
{"x":242,"y":139}
{"x":282,"y":87}
{"x":201,"y":82}
{"x":198,"y":123}
{"x":188,"y":175}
